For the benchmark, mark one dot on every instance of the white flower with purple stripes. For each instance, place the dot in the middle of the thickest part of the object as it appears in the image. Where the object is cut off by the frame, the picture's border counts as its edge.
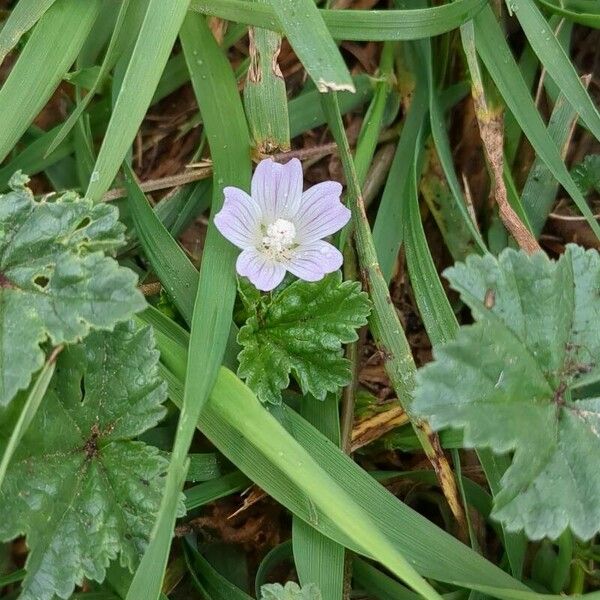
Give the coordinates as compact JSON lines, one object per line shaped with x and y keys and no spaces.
{"x":280,"y":228}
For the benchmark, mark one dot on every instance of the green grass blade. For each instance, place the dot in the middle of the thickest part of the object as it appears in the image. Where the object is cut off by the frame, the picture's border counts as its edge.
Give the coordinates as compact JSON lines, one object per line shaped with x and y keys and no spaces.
{"x":368,"y":136}
{"x":212,"y":490}
{"x":319,"y":559}
{"x":241,"y":410}
{"x":154,"y":44}
{"x":174,"y":269}
{"x":225,"y":126}
{"x":539,"y":192}
{"x":112,"y":53}
{"x":434,"y":553}
{"x":496,"y":55}
{"x":590,"y":19}
{"x":305,"y":110}
{"x":306,"y":31}
{"x":556,"y":61}
{"x":435,"y":310}
{"x":442,"y":146}
{"x":387,"y":230}
{"x":30,"y":406}
{"x":265,"y":97}
{"x":209,"y":581}
{"x":357,"y":25}
{"x":42,"y":64}
{"x":22,"y":18}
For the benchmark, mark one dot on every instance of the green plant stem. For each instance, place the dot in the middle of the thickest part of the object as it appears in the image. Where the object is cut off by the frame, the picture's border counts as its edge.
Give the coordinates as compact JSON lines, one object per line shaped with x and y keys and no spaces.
{"x":384,"y":322}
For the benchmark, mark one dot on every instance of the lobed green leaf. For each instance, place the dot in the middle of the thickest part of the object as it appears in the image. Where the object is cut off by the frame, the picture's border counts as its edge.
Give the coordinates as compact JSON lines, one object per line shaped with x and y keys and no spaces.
{"x":508,"y":382}
{"x":301,"y":330}
{"x":55,"y":281}
{"x":79,"y":486}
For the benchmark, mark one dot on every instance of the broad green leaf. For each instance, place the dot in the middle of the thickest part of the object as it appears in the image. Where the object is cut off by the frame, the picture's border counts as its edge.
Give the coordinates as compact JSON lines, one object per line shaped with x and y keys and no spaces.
{"x":55,"y":281}
{"x":290,"y":591}
{"x":507,"y":382}
{"x":301,"y":330}
{"x":79,"y":486}
{"x":587,"y":173}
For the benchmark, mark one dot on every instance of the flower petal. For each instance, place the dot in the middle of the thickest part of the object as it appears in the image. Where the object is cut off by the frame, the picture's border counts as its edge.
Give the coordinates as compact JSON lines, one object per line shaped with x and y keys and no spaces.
{"x":321,"y":213}
{"x":239,"y":219}
{"x":277,"y":188}
{"x":265,"y":274}
{"x":313,"y":261}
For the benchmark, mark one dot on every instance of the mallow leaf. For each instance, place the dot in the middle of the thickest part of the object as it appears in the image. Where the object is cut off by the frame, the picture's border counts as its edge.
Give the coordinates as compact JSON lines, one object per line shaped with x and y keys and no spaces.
{"x":290,"y":591}
{"x":515,"y":382}
{"x":55,"y":281}
{"x":300,"y":330}
{"x":79,"y":486}
{"x":587,"y":173}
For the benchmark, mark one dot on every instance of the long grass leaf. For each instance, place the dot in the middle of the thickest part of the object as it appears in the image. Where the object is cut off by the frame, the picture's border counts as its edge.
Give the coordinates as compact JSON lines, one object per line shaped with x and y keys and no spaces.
{"x":22,"y":18}
{"x":174,"y":269}
{"x":590,"y":19}
{"x":227,"y":133}
{"x":539,"y":192}
{"x":112,"y":53}
{"x":358,"y":25}
{"x":212,"y":490}
{"x":242,"y":409}
{"x":556,"y":61}
{"x":265,"y":97}
{"x":496,"y":55}
{"x":319,"y":559}
{"x":42,"y":64}
{"x":387,"y":229}
{"x":154,"y":44}
{"x":30,"y":407}
{"x":306,"y":31}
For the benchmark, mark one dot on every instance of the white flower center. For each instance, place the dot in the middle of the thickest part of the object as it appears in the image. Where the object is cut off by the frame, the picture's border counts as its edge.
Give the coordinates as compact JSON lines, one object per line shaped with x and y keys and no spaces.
{"x":279,"y":239}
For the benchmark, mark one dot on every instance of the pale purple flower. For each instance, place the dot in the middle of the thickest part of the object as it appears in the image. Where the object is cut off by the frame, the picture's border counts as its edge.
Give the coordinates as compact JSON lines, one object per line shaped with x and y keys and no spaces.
{"x":280,"y":228}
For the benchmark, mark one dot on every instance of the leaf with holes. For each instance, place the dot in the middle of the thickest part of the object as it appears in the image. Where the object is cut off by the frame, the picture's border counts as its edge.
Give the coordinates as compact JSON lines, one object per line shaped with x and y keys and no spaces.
{"x":300,"y":330}
{"x":290,"y":591}
{"x":55,"y":281}
{"x":521,"y":379}
{"x":79,"y":485}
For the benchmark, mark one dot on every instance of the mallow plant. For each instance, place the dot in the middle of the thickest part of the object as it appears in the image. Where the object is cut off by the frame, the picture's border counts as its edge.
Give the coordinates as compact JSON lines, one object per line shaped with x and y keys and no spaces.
{"x":78,"y":477}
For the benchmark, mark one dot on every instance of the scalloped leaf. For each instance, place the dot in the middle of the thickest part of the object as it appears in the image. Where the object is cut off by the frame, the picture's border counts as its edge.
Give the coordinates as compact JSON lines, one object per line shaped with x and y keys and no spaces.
{"x":300,"y":330}
{"x":79,"y":486}
{"x":290,"y":591}
{"x":519,"y":380}
{"x":55,"y":281}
